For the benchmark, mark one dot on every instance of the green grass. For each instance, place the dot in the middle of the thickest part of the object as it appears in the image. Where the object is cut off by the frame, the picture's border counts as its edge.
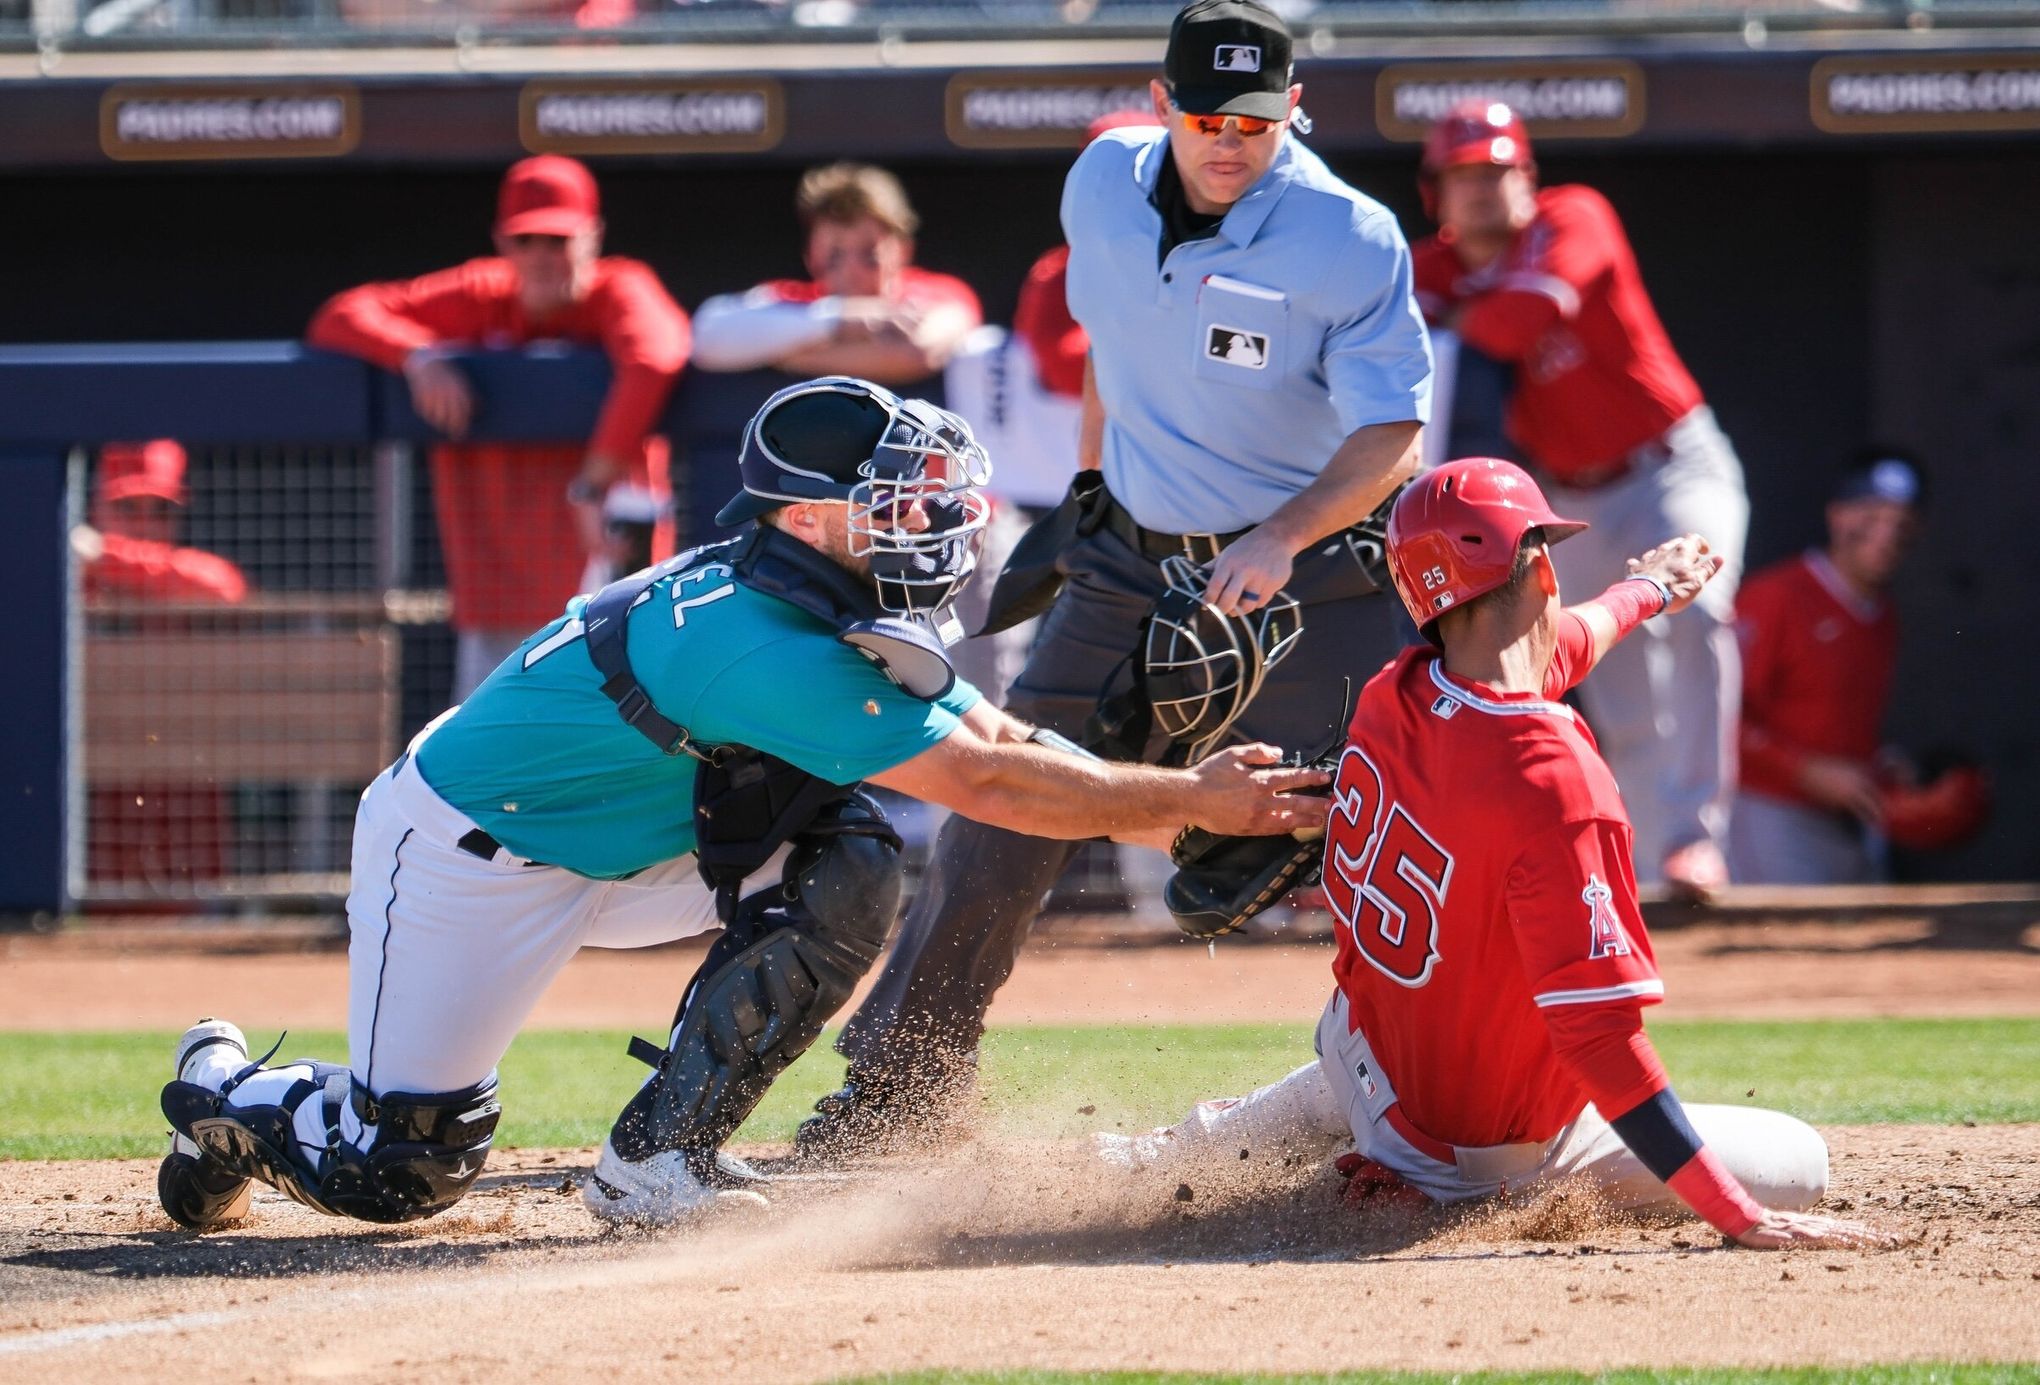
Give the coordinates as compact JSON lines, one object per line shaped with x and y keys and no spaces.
{"x":73,"y":1096}
{"x":1916,"y":1374}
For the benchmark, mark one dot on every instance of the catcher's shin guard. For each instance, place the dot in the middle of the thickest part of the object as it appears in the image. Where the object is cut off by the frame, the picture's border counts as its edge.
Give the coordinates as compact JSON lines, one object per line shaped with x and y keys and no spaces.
{"x":788,"y":961}
{"x":426,"y":1149}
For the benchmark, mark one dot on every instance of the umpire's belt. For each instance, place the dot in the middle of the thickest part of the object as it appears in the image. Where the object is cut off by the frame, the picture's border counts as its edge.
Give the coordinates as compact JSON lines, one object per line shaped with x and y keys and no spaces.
{"x":1155,"y":546}
{"x":419,"y":804}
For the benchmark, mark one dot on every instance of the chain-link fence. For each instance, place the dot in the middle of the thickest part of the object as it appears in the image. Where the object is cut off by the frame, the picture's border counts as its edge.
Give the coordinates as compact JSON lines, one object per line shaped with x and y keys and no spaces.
{"x":261,"y":628}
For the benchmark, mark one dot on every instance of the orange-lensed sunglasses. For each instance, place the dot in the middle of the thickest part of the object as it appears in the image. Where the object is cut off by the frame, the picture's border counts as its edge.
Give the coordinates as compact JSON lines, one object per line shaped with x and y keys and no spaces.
{"x":1249,"y":126}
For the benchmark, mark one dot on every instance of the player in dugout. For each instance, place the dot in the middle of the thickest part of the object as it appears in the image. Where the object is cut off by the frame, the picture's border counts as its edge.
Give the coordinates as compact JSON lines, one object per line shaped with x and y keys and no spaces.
{"x":1485,"y":1031}
{"x":1611,"y":421}
{"x":523,"y":524}
{"x":1820,"y":646}
{"x":683,"y":750}
{"x":866,"y":310}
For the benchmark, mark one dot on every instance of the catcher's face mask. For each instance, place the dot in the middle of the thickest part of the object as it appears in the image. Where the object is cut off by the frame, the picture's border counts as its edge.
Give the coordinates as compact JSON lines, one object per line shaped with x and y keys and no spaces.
{"x":1203,"y":667}
{"x":919,"y":514}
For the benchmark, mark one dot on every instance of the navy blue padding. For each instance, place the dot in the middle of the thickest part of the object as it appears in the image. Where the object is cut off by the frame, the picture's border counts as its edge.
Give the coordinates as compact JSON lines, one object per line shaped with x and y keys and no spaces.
{"x":1658,"y":1133}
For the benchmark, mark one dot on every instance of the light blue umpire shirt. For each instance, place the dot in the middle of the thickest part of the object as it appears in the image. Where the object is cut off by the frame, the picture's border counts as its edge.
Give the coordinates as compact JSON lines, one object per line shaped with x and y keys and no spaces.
{"x":1231,"y":372}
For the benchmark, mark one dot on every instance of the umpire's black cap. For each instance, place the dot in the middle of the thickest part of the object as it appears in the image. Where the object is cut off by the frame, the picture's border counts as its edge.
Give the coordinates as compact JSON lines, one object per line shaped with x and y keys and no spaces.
{"x":1229,"y":57}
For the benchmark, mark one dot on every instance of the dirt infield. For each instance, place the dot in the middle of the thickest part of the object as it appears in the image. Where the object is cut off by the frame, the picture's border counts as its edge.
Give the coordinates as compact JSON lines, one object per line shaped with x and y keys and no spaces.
{"x":1790,"y":970}
{"x":1007,"y":1257}
{"x":1014,"y":1256}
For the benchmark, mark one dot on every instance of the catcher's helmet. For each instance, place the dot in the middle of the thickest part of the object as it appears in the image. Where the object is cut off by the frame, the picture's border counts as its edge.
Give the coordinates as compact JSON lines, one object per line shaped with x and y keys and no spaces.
{"x":1475,"y":131}
{"x":1453,"y":534}
{"x":1201,"y":667}
{"x":842,"y":439}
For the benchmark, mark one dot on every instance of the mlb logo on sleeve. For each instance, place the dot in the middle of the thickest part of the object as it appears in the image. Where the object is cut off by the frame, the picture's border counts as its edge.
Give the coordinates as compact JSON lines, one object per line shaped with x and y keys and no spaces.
{"x":1237,"y":57}
{"x":1237,"y":346}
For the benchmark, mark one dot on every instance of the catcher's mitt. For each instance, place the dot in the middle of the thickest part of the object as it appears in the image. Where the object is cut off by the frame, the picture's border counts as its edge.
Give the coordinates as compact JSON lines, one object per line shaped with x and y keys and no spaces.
{"x":1221,"y":882}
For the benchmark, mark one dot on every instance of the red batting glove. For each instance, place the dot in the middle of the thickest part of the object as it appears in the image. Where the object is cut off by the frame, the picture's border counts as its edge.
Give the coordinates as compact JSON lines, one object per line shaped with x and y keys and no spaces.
{"x":1371,"y":1184}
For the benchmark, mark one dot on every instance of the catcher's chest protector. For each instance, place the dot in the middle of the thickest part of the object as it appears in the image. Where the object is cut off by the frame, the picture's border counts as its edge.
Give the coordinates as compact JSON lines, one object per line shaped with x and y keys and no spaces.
{"x":748,"y":804}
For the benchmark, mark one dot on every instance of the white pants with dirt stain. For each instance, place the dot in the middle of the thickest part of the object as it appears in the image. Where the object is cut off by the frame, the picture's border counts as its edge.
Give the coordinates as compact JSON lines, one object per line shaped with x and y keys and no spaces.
{"x":1343,"y":1096}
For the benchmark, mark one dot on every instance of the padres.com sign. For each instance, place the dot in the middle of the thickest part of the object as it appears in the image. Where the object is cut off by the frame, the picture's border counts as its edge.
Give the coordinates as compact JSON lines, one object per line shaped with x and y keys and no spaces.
{"x":1588,"y":99}
{"x":651,"y":116}
{"x":1921,"y":95}
{"x":1037,"y":110}
{"x":149,"y":121}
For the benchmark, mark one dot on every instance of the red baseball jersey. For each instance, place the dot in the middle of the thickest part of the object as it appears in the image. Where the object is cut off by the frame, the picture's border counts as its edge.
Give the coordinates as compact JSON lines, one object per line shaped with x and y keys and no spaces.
{"x":153,"y":571}
{"x":1478,"y":861}
{"x":1596,"y":376}
{"x":513,"y":552}
{"x":1817,"y":669}
{"x":922,"y":288}
{"x":1042,"y":320}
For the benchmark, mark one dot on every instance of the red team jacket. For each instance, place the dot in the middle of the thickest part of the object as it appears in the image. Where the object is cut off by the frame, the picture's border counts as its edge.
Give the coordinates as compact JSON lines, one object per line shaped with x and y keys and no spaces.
{"x":513,"y":554}
{"x":154,"y":571}
{"x":921,"y":288}
{"x":1817,"y":669}
{"x":1596,"y":376}
{"x":1489,"y":943}
{"x":1042,"y":319}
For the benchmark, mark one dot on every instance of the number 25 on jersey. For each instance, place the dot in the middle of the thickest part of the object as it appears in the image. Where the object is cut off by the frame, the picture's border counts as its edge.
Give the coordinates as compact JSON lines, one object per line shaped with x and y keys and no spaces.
{"x":1385,"y":877}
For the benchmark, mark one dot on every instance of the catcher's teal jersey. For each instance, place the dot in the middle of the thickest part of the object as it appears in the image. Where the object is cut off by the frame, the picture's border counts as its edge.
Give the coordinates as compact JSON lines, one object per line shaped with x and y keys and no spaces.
{"x":539,"y":757}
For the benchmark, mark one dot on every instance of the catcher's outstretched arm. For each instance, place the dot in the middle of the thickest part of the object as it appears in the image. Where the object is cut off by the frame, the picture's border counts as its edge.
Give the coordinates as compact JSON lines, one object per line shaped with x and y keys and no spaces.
{"x":987,"y":770}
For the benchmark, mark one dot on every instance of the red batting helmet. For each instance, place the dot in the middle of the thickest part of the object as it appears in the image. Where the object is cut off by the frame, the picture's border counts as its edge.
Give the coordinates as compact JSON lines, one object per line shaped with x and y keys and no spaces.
{"x":1473,"y":132}
{"x":1945,"y":812}
{"x":1454,"y":532}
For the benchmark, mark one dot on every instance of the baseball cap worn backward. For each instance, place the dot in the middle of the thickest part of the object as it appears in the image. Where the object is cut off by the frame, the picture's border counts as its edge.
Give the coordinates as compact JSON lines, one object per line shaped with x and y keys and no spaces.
{"x":128,"y":470}
{"x":1229,"y":57}
{"x":1453,"y":533}
{"x":547,"y":195}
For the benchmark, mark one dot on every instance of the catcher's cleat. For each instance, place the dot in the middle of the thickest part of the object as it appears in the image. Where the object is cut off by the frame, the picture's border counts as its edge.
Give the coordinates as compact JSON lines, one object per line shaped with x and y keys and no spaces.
{"x":669,"y":1187}
{"x":196,"y":1190}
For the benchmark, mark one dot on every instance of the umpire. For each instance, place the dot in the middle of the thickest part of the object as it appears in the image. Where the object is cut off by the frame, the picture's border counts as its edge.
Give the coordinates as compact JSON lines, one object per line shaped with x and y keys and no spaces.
{"x":1258,"y":377}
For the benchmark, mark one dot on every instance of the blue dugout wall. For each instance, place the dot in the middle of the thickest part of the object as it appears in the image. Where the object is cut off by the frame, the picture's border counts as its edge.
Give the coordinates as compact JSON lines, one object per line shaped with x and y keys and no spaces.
{"x":55,"y":399}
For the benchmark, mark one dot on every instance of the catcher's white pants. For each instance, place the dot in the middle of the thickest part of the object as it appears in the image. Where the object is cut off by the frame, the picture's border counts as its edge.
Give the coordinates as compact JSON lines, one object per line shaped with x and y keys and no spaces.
{"x":1664,"y":703}
{"x":1316,"y":1109}
{"x":449,"y":952}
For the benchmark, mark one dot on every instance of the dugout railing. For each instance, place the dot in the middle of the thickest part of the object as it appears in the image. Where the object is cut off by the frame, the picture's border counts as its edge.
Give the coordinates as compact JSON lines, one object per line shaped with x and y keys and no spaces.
{"x":192,"y":712}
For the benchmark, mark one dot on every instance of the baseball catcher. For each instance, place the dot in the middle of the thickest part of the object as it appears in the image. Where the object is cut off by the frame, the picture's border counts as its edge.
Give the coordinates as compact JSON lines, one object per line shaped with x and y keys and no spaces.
{"x":683,"y":750}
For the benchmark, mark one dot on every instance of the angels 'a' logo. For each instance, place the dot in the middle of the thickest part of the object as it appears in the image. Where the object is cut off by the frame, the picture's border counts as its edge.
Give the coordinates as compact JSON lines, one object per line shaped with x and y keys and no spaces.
{"x":1608,"y":939}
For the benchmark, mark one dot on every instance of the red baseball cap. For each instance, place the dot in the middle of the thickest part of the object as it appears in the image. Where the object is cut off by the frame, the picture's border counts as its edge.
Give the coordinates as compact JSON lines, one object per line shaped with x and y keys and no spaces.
{"x":1116,"y":120}
{"x":549,"y":195}
{"x":131,"y":469}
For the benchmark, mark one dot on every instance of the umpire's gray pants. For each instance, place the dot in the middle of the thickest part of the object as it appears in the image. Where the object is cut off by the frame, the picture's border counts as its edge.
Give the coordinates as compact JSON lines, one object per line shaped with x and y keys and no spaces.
{"x":984,"y":885}
{"x":1664,"y":703}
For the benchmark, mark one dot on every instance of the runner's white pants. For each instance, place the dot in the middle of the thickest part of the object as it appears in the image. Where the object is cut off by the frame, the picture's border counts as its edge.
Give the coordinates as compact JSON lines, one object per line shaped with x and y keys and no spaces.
{"x":448,"y":953}
{"x":1318,"y":1108}
{"x":1664,"y":703}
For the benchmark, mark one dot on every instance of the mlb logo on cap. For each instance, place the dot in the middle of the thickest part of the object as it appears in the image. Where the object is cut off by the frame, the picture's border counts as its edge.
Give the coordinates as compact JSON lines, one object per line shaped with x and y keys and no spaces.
{"x":1236,"y":57}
